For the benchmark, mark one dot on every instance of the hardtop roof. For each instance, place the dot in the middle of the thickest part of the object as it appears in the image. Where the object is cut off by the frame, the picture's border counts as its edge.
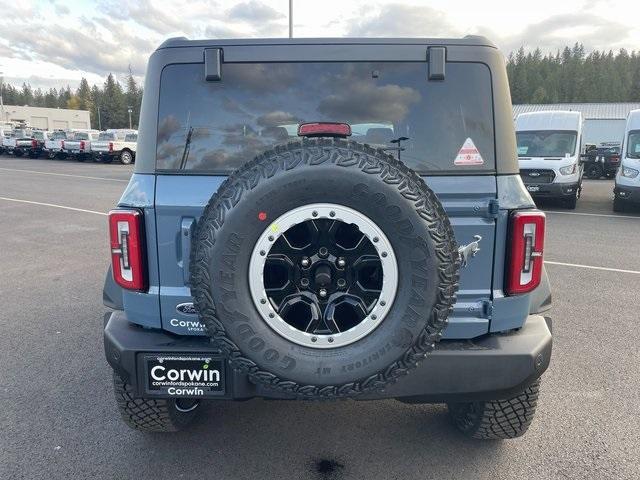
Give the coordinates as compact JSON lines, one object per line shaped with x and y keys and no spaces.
{"x":469,"y":40}
{"x":633,"y":122}
{"x":549,"y":120}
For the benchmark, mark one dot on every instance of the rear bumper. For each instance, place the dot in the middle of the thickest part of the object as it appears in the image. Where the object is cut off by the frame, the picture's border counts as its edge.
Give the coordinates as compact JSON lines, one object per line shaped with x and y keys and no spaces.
{"x":106,"y":154}
{"x":491,"y":367}
{"x":552,"y":190}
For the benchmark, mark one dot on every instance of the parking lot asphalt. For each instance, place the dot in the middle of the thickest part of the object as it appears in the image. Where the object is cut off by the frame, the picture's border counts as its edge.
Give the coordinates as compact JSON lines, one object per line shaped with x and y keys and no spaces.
{"x":59,"y":418}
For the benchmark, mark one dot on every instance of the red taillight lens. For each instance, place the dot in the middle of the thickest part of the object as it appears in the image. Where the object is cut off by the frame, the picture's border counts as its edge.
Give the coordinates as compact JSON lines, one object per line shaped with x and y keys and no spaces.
{"x":62,"y":144}
{"x":324,"y":129}
{"x":126,"y":240}
{"x":81,"y":144}
{"x":34,"y":143}
{"x":524,"y":270}
{"x":111,"y":146}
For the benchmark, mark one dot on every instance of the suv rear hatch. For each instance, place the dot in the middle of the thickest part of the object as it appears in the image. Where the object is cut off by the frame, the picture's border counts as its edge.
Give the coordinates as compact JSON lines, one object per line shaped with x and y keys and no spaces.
{"x":442,"y":128}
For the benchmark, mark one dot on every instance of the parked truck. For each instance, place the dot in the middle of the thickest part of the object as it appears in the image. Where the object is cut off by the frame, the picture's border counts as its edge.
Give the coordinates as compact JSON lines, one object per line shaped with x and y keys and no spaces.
{"x":53,"y":144}
{"x":19,"y":142}
{"x":78,"y":146}
{"x":115,"y":145}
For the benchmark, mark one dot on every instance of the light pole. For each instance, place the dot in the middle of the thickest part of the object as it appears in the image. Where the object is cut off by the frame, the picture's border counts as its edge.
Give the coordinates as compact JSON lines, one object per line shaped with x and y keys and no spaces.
{"x":129,"y":109}
{"x":1,"y":102}
{"x":99,"y":121}
{"x":290,"y":18}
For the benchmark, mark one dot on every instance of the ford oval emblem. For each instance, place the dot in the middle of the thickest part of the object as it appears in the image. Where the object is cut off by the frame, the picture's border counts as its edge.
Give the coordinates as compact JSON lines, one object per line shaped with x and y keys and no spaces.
{"x":186,"y":308}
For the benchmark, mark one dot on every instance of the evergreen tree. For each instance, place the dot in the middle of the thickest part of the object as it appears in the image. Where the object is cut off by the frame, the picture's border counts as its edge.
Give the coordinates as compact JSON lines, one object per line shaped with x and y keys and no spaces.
{"x":133,"y":98}
{"x":84,"y":95}
{"x":113,"y":108}
{"x":26,"y":95}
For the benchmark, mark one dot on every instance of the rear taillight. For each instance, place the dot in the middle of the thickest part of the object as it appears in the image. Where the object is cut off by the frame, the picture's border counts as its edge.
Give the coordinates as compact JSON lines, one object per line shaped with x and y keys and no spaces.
{"x":111,"y":146}
{"x":524,"y":268}
{"x":81,"y":144}
{"x":34,"y":143}
{"x":126,"y":240}
{"x":62,"y":144}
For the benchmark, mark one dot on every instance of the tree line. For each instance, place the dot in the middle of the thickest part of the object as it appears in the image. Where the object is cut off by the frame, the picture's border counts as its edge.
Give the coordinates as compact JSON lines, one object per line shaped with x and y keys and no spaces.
{"x":572,"y":76}
{"x":566,"y":76}
{"x":108,"y":105}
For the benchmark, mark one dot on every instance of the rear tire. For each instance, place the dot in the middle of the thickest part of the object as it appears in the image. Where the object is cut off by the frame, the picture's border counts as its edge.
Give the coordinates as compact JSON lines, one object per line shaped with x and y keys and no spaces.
{"x":497,"y":419}
{"x":126,"y":158}
{"x":593,"y":171}
{"x":153,"y":415}
{"x":619,"y":205}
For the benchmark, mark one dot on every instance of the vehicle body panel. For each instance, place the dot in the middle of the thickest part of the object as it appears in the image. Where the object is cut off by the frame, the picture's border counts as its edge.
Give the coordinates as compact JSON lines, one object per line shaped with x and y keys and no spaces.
{"x":627,"y":187}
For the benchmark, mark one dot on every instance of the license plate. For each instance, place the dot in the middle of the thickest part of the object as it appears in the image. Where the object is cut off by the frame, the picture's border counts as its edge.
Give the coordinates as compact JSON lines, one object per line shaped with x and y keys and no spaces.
{"x":533,"y":188}
{"x":184,"y":376}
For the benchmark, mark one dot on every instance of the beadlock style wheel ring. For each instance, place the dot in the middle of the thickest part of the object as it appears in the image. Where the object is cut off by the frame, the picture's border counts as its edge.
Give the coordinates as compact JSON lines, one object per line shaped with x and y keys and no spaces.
{"x":323,"y":275}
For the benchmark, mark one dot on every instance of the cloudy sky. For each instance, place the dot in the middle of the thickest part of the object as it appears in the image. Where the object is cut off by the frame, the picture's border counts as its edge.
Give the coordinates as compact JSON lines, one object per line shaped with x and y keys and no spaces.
{"x":56,"y":42}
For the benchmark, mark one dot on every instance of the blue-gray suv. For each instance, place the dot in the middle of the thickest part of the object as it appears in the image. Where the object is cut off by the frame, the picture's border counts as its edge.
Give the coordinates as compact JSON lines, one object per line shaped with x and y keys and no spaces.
{"x":323,"y":219}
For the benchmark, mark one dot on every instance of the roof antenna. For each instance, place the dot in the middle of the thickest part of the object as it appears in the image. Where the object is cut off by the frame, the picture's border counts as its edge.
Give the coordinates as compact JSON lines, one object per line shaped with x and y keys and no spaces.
{"x":290,"y":18}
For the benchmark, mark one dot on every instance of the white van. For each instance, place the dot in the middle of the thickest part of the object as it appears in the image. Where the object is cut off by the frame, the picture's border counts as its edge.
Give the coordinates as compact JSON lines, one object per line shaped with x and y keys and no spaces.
{"x":549,"y":154}
{"x":627,"y":187}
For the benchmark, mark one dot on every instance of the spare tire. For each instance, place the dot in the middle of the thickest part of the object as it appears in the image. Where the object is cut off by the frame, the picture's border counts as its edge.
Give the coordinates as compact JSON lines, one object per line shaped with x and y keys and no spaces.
{"x":324,"y":268}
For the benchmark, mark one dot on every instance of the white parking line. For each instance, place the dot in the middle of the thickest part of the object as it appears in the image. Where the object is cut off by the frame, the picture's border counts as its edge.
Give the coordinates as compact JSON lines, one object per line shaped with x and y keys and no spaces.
{"x":591,"y":267}
{"x":51,"y":205}
{"x":592,"y":214}
{"x":64,"y":174}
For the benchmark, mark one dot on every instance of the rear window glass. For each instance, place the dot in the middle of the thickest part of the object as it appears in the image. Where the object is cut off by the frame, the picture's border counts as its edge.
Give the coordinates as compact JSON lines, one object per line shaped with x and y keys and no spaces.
{"x":80,"y":136}
{"x":546,"y":143}
{"x":38,"y":135}
{"x":131,"y":137}
{"x":58,"y":136}
{"x":107,"y":136}
{"x":218,"y":126}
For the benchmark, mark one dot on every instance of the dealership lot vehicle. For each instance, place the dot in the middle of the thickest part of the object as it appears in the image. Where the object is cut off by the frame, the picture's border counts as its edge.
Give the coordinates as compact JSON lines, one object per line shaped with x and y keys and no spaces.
{"x":4,"y":134}
{"x":78,"y":144}
{"x":335,"y":268}
{"x":627,"y":187}
{"x":601,"y":161}
{"x":549,"y":154}
{"x":53,"y":144}
{"x":116,"y":145}
{"x":18,"y":143}
{"x":36,"y":146}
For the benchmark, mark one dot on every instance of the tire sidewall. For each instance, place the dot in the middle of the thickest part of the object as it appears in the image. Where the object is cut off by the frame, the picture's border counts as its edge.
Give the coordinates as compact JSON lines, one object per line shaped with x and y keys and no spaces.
{"x":126,"y":158}
{"x":409,"y":318}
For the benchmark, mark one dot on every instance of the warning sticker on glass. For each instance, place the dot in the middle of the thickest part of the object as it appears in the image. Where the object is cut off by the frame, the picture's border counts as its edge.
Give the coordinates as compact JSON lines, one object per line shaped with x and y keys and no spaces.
{"x":468,"y":154}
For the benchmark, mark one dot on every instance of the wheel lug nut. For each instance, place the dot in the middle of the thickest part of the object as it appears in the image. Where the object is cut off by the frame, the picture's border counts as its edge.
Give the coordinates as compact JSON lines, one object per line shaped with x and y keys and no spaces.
{"x":342,"y":282}
{"x":322,"y":292}
{"x":304,"y":282}
{"x":323,"y":252}
{"x":341,"y":262}
{"x":305,"y":262}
